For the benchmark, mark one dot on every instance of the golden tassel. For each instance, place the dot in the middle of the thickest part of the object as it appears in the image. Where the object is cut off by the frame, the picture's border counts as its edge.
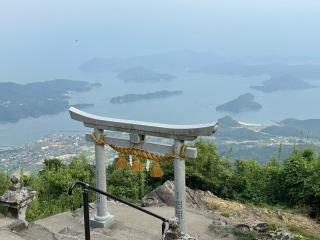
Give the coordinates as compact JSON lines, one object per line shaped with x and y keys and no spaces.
{"x":122,"y":162}
{"x":156,"y":170}
{"x":137,"y":166}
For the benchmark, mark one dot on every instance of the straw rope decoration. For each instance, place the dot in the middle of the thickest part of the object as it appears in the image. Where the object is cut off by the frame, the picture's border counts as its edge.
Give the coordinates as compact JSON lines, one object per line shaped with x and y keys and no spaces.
{"x":137,"y":166}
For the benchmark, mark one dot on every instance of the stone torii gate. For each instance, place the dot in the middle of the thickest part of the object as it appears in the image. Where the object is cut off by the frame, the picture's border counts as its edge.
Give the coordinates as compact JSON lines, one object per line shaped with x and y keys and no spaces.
{"x":137,"y":131}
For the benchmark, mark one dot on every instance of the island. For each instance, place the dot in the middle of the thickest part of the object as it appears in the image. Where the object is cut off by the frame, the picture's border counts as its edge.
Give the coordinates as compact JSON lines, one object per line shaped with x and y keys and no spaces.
{"x":143,"y":75}
{"x":243,"y":103}
{"x":19,"y":101}
{"x":129,"y":98}
{"x":283,"y":82}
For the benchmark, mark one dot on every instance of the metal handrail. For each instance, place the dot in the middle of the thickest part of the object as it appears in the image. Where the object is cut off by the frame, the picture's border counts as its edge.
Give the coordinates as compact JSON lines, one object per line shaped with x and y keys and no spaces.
{"x":85,"y":196}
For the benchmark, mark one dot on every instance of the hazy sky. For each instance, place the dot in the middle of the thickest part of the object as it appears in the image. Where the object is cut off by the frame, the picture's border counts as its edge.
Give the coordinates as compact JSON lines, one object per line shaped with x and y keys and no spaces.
{"x":48,"y":38}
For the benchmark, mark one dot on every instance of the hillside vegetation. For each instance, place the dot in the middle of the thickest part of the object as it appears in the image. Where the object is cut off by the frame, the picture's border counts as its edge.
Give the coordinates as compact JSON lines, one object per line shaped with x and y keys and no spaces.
{"x":293,"y":183}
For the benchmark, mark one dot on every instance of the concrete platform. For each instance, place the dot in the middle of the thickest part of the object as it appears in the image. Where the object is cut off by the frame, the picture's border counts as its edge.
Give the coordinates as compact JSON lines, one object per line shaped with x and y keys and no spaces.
{"x":128,"y":224}
{"x":7,"y":235}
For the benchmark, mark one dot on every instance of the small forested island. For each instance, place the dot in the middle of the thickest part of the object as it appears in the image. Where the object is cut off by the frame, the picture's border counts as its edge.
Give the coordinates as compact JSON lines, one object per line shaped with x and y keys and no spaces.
{"x":244,"y":102}
{"x":283,"y":82}
{"x":128,"y":98}
{"x":143,"y":75}
{"x":19,"y":101}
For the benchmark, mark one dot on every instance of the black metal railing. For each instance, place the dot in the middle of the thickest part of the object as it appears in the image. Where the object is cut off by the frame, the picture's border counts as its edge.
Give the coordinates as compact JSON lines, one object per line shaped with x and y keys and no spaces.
{"x":85,"y":196}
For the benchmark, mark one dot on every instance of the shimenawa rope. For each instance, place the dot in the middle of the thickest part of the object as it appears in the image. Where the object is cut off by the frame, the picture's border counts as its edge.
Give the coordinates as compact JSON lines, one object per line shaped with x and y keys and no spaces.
{"x":122,"y":163}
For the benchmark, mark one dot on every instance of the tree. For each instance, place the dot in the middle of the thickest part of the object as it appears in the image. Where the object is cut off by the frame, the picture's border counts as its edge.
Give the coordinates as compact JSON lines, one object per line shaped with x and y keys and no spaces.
{"x":294,"y":175}
{"x":52,"y":183}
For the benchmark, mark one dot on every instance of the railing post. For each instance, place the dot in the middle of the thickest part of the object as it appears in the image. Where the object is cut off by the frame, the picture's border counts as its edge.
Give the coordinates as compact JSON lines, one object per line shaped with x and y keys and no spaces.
{"x":86,"y":216}
{"x":180,"y":187}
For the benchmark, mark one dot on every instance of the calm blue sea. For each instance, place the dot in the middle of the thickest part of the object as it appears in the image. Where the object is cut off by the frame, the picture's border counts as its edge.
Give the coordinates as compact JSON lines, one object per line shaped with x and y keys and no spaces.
{"x":201,"y":94}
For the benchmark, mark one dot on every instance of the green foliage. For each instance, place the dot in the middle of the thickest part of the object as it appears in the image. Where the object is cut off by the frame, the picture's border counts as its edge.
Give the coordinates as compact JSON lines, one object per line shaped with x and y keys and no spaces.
{"x":302,"y":232}
{"x":293,"y":182}
{"x":273,"y":226}
{"x":225,"y":214}
{"x":4,"y":182}
{"x":126,"y":184}
{"x":214,"y":206}
{"x":248,"y":182}
{"x":52,"y":184}
{"x":245,"y":235}
{"x":208,"y":171}
{"x":219,"y":230}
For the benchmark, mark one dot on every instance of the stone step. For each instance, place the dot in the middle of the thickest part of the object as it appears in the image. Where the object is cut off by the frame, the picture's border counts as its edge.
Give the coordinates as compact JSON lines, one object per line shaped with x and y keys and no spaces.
{"x":6,"y":234}
{"x":5,"y":221}
{"x":58,"y":223}
{"x":36,"y":232}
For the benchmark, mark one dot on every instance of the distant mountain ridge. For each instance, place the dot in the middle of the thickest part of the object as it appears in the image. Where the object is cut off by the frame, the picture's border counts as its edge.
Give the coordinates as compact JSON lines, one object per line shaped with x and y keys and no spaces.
{"x":181,"y":59}
{"x":143,"y":75}
{"x":302,"y":71}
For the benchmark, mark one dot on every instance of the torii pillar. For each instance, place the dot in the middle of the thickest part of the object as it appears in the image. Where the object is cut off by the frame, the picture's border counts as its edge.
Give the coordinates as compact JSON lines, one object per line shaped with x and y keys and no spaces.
{"x":137,"y":131}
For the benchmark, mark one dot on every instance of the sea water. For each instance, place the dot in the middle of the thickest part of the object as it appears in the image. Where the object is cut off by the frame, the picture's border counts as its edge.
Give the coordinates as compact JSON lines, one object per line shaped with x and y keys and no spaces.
{"x":201,"y":94}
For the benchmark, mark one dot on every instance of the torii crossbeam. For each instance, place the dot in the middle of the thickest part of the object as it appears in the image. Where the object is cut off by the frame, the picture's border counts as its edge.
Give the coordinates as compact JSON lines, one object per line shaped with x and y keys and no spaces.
{"x":138,"y":130}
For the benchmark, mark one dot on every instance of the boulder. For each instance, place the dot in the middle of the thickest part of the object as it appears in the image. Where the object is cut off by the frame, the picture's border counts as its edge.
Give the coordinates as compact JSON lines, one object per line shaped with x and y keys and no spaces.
{"x":261,"y":227}
{"x":164,"y":195}
{"x":242,"y":229}
{"x":281,"y":234}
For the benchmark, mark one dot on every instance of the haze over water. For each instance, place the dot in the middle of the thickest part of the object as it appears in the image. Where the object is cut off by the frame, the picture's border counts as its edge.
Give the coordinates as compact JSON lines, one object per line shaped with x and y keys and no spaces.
{"x":44,"y":40}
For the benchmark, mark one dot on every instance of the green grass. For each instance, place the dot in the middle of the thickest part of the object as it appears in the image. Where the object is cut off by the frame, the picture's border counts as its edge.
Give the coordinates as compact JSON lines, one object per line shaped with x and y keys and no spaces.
{"x":225,"y":214}
{"x":273,"y":226}
{"x":303,"y":232}
{"x":221,"y":231}
{"x":214,"y":206}
{"x":252,"y":235}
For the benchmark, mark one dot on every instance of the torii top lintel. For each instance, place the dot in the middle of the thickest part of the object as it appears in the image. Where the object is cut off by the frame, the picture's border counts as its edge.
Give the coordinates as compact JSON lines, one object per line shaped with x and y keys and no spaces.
{"x":180,"y":132}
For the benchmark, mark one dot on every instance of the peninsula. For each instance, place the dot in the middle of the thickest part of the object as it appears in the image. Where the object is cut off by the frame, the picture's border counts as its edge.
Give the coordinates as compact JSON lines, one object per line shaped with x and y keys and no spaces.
{"x":19,"y":101}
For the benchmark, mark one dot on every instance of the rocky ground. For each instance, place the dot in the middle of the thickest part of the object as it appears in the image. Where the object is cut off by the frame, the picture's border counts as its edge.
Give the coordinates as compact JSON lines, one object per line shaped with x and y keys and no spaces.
{"x":240,"y":220}
{"x":208,"y":217}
